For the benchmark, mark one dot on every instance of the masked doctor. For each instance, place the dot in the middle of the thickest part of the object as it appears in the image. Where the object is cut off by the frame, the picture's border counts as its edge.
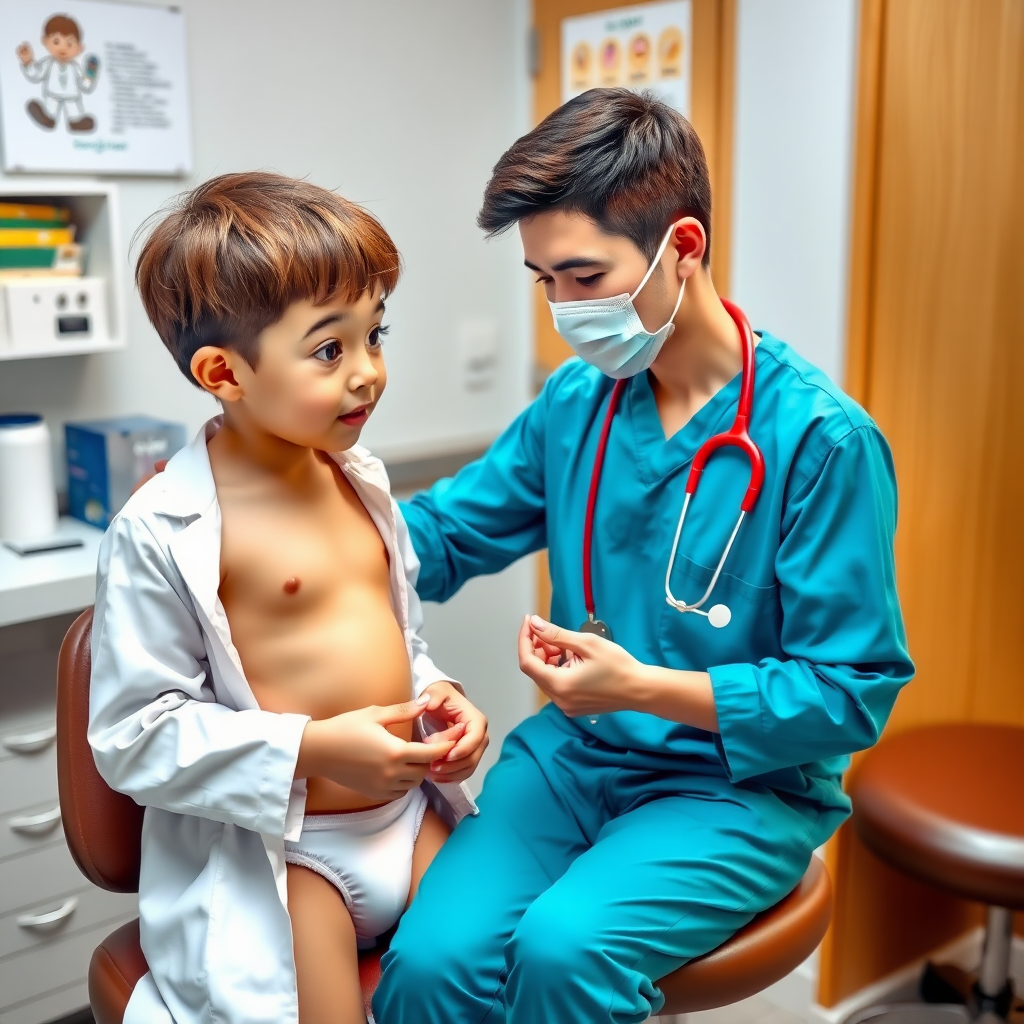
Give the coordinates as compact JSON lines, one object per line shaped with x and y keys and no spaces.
{"x":684,"y":770}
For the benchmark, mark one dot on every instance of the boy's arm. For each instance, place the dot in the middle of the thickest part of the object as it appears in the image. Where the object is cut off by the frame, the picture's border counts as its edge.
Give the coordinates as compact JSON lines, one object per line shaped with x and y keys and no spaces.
{"x":156,"y":730}
{"x":35,"y":71}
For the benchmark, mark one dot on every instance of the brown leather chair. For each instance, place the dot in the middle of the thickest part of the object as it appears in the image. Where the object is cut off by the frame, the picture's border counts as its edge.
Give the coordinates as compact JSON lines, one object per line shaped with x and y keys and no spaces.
{"x":103,"y":830}
{"x":945,"y":804}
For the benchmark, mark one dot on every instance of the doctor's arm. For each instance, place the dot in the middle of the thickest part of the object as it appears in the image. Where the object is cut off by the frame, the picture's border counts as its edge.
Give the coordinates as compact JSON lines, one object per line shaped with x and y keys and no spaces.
{"x":842,"y":633}
{"x":491,"y":513}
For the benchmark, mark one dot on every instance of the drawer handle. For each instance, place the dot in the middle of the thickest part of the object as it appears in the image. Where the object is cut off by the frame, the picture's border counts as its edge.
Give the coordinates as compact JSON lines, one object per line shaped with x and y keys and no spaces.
{"x":66,"y":909}
{"x":35,"y":824}
{"x":30,"y":742}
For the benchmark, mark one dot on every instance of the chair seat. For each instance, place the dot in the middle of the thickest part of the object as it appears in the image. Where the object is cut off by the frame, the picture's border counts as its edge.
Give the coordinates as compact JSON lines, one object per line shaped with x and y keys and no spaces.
{"x":767,"y":949}
{"x":776,"y":942}
{"x":944,"y":804}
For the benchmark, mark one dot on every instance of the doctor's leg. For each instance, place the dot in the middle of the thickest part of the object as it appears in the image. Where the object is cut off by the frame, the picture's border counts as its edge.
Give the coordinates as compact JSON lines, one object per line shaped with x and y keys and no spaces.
{"x":664,"y":883}
{"x":445,"y":965}
{"x":324,"y":940}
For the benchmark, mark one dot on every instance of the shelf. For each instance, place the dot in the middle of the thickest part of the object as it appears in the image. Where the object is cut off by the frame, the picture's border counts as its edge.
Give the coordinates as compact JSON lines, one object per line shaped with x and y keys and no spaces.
{"x":52,"y":583}
{"x":62,"y":348}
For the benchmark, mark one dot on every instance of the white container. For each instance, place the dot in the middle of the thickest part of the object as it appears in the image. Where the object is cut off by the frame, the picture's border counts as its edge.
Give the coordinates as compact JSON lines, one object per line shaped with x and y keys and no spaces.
{"x":28,"y":498}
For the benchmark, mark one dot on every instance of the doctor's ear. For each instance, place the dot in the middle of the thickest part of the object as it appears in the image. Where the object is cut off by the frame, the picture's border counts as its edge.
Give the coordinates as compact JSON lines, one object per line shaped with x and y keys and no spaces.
{"x":690,"y":243}
{"x":214,"y":371}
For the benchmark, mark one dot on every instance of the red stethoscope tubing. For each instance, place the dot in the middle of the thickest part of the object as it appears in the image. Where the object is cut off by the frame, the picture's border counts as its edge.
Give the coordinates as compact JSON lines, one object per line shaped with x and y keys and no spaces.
{"x":736,"y":436}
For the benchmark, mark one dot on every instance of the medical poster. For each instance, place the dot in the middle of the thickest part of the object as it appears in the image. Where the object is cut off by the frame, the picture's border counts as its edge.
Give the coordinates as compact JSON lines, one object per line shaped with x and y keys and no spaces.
{"x":647,"y":46}
{"x":93,"y":86}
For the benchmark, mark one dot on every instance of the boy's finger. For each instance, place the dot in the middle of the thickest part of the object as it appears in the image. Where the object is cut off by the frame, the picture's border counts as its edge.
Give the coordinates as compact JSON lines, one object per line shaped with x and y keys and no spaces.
{"x":424,"y":753}
{"x":470,"y":740}
{"x":408,"y":710}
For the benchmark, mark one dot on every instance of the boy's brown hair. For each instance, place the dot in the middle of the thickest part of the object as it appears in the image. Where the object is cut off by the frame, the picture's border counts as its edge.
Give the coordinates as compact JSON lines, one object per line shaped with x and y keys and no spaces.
{"x":626,"y":160}
{"x":236,"y":252}
{"x":64,"y":25}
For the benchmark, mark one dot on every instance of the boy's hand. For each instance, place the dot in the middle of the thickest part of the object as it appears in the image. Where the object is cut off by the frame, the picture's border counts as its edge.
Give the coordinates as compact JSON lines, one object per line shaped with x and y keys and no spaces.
{"x":449,"y":705}
{"x":356,"y":750}
{"x":24,"y":53}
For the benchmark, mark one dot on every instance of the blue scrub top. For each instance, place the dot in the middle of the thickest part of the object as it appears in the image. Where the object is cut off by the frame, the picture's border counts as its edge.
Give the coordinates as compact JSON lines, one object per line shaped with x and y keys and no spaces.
{"x":809,"y":667}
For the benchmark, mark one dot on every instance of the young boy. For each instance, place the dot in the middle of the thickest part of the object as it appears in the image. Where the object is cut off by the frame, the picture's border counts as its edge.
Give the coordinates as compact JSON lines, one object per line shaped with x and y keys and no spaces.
{"x":256,"y":664}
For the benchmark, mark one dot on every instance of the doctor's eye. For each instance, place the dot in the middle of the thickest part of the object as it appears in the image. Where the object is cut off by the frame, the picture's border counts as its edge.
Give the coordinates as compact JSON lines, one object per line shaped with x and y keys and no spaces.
{"x":376,"y":336}
{"x":589,"y":282}
{"x":329,"y":352}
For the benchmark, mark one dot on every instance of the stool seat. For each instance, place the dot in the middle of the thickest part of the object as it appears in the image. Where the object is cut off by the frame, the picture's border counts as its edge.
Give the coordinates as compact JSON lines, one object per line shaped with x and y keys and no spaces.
{"x":945,"y":804}
{"x":767,"y":949}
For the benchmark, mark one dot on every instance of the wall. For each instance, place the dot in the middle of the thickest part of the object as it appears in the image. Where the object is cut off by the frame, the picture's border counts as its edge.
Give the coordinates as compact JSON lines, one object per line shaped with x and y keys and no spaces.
{"x":401,"y":106}
{"x":795,"y":91}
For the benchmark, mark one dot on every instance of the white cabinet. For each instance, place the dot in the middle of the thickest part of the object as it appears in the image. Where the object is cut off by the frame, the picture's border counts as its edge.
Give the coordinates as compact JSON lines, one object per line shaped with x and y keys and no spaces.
{"x":51,"y":917}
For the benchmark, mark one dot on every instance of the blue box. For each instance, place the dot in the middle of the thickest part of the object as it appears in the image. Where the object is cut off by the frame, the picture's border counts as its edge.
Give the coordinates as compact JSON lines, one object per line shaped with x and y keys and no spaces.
{"x":106,"y":458}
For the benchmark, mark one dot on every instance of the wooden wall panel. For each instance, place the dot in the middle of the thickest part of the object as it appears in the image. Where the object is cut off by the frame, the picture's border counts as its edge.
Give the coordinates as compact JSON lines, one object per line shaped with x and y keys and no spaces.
{"x":935,"y":355}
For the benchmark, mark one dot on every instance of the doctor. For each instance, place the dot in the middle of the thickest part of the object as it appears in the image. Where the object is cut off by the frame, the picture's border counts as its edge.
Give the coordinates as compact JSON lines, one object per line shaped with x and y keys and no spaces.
{"x":685,"y":769}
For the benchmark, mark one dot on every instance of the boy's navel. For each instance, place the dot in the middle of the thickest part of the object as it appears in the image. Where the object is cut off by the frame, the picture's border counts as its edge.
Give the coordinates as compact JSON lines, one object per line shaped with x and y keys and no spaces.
{"x":292,"y":586}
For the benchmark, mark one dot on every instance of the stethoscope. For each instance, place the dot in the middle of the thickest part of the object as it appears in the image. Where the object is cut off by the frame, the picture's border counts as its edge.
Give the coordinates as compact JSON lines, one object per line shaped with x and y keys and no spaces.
{"x":736,"y":436}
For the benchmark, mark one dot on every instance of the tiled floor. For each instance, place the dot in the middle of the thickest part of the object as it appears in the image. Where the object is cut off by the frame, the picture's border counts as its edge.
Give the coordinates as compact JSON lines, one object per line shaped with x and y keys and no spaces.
{"x":751,"y":1011}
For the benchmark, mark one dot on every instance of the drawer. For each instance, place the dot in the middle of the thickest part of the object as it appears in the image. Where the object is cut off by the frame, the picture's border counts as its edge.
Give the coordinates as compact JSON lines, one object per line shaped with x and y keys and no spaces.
{"x":81,"y":910}
{"x":41,"y":875}
{"x":20,"y":733}
{"x":29,"y":827}
{"x":57,"y":964}
{"x":28,"y":778}
{"x":51,"y":1006}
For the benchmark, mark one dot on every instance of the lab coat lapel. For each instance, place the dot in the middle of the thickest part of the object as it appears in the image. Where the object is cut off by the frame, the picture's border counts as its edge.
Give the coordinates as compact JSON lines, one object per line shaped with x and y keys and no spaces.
{"x":190,"y":494}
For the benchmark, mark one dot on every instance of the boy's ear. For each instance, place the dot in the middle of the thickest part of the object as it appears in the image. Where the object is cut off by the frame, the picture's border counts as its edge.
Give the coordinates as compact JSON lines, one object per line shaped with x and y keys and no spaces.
{"x":213,"y":369}
{"x":690,"y":244}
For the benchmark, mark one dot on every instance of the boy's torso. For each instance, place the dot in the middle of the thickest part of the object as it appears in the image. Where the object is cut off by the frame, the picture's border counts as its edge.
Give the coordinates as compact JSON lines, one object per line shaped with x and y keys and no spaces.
{"x":305,"y":583}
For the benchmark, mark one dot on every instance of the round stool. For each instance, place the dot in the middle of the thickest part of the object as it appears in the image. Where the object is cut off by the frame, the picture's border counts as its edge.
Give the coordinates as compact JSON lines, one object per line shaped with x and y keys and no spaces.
{"x":945,"y":804}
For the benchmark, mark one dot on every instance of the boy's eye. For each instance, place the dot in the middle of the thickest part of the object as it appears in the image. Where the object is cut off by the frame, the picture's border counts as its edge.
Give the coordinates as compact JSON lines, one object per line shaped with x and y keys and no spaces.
{"x":328,"y":353}
{"x":376,"y":337}
{"x":589,"y":282}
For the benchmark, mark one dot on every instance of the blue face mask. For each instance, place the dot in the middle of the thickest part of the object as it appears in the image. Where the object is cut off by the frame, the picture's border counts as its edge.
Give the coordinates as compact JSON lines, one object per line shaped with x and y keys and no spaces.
{"x":608,"y":333}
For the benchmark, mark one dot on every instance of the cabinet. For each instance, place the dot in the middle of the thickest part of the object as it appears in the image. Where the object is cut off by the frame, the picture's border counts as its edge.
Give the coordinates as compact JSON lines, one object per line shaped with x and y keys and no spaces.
{"x":51,"y":917}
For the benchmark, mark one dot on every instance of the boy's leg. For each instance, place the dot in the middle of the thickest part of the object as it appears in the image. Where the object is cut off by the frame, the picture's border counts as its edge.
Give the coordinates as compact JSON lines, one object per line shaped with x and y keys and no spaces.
{"x":326,"y":958}
{"x":445,"y":965}
{"x":433,"y":834}
{"x":666,"y":882}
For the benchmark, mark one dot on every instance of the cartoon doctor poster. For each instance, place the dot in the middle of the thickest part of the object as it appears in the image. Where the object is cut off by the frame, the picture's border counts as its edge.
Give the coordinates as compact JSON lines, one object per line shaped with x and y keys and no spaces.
{"x":64,"y":80}
{"x":94,"y":87}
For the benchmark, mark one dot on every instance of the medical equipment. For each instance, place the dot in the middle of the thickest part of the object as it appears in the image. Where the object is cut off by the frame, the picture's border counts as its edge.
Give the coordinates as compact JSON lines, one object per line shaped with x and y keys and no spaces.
{"x":737,"y":436}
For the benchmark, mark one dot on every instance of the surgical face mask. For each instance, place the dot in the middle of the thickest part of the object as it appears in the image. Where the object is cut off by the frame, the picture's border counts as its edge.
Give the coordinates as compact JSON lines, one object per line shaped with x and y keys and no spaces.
{"x":608,"y":333}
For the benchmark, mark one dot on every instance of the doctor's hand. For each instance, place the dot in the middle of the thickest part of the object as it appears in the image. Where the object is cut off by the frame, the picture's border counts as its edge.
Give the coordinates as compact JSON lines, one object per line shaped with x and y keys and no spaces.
{"x":582,"y":673}
{"x":357,"y":750}
{"x":450,"y":706}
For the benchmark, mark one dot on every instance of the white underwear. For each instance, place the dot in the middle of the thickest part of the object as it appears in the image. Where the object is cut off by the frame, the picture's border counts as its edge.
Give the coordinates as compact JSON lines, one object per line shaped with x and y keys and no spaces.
{"x":367,"y":857}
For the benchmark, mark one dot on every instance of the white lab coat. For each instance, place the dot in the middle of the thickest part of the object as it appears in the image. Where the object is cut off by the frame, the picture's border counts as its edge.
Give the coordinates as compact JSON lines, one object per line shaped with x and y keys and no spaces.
{"x":61,"y":81}
{"x":175,"y":725}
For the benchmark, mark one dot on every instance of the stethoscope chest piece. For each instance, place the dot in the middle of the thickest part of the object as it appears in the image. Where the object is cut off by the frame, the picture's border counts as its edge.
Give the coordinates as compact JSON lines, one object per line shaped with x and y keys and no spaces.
{"x":719,"y":616}
{"x":597,"y":627}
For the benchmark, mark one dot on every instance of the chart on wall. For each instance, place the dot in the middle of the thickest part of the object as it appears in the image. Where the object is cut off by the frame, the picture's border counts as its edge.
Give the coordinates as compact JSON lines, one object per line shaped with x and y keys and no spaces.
{"x":95,"y":87}
{"x":646,"y":46}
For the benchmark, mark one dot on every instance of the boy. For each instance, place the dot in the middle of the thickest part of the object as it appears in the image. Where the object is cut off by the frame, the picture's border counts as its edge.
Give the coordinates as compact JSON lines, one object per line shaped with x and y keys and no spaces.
{"x":682,"y":775}
{"x":255,"y":647}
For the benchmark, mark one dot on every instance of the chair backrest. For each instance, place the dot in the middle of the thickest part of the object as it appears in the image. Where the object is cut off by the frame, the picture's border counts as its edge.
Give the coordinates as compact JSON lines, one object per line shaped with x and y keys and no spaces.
{"x":103,"y":828}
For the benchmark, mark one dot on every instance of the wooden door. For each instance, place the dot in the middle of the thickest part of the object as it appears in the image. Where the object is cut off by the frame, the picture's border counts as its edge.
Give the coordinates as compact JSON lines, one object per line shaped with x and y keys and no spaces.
{"x":712,"y":115}
{"x":935,"y":354}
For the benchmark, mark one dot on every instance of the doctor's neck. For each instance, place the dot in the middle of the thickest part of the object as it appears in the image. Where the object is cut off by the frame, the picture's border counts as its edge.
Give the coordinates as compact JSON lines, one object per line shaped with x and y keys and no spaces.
{"x":703,"y":353}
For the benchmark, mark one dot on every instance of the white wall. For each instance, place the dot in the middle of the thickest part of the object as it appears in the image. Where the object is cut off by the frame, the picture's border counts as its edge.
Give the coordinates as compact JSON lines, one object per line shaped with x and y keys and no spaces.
{"x":795,"y":90}
{"x":401,"y":105}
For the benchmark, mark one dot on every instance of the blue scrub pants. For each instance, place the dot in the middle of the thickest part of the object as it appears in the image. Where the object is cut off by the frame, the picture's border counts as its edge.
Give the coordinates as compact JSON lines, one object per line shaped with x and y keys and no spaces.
{"x":590,"y":873}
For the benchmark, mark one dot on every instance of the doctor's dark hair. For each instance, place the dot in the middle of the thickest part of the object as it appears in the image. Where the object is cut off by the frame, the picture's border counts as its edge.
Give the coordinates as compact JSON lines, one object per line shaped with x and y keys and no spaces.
{"x":626,"y":160}
{"x":229,"y":258}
